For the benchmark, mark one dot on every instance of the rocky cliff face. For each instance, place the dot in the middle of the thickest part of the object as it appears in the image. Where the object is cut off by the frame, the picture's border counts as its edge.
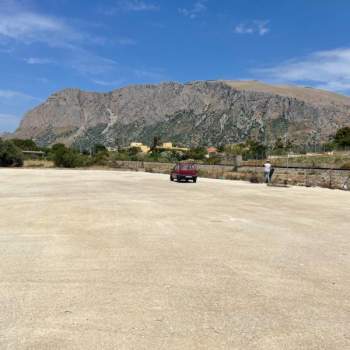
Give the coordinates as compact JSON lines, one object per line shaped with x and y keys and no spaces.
{"x":213,"y":112}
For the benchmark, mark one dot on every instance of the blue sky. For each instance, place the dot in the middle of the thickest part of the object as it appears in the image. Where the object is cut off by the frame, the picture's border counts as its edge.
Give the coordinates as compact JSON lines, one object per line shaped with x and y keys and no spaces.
{"x":46,"y":45}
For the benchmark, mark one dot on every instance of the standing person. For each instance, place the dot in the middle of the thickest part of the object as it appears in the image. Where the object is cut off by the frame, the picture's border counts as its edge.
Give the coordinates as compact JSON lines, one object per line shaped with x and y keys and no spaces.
{"x":272,"y":170}
{"x":267,"y":171}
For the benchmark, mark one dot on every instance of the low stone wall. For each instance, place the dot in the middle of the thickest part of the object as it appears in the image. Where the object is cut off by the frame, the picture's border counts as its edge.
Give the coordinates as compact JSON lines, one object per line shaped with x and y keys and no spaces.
{"x":151,"y":167}
{"x":339,"y":179}
{"x":155,"y":167}
{"x":301,"y":177}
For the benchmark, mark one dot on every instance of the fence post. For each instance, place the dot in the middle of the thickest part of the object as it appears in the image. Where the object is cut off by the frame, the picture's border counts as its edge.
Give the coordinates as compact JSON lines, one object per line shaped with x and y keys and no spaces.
{"x":330,"y":178}
{"x":305,"y":174}
{"x":287,"y":168}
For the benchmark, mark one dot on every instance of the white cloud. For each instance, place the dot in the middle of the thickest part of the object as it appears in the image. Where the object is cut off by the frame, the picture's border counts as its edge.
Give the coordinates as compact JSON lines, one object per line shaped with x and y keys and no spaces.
{"x":43,"y":80}
{"x":109,"y":83}
{"x":197,"y":10}
{"x":131,"y":6}
{"x":138,"y":5}
{"x":12,"y":101}
{"x":335,"y":86}
{"x":253,"y":27}
{"x":157,"y":74}
{"x":18,"y":24}
{"x":126,"y":41}
{"x":10,"y":94}
{"x":75,"y":47}
{"x":9,"y":118}
{"x":30,"y":27}
{"x":6,"y":51}
{"x":8,"y":122}
{"x":37,"y":60}
{"x":88,"y":63}
{"x":21,"y":24}
{"x":323,"y":69}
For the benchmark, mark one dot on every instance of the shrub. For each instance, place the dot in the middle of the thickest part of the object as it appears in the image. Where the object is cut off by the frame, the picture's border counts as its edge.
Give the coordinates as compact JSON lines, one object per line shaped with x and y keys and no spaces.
{"x":58,"y":147}
{"x":329,"y":146}
{"x":213,"y":160}
{"x":133,"y":151}
{"x":10,"y":154}
{"x":67,"y":158}
{"x":100,"y":158}
{"x":254,"y":178}
{"x":121,"y":155}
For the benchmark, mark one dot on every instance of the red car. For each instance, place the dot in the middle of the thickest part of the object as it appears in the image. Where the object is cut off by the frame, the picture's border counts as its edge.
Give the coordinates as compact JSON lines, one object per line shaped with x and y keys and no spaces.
{"x":184,"y":171}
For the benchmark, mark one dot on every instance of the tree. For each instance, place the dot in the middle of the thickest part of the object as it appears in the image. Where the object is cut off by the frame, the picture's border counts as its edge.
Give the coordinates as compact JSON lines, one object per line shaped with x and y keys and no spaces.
{"x":235,"y":149}
{"x":26,"y":145}
{"x":279,"y":147}
{"x":100,"y":149}
{"x":58,"y":147}
{"x":282,"y":146}
{"x":279,"y":144}
{"x":133,"y":151}
{"x":10,"y":154}
{"x":289,"y":144}
{"x":342,"y":137}
{"x":156,"y":142}
{"x":221,"y":149}
{"x":255,"y":150}
{"x":197,"y":153}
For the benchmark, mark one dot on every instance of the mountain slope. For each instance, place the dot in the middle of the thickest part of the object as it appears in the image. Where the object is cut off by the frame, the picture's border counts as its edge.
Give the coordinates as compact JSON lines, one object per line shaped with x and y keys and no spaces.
{"x":211,"y":112}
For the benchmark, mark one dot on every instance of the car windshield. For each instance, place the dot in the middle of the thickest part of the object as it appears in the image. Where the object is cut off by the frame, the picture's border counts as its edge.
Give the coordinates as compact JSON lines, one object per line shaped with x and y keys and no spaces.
{"x":187,"y":166}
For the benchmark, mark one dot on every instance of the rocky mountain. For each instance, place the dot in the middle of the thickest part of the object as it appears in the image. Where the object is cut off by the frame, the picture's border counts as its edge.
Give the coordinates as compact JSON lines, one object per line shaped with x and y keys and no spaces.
{"x":196,"y":113}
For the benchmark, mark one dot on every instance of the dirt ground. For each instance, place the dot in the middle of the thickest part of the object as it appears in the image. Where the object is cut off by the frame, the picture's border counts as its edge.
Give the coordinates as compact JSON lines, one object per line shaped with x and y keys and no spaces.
{"x":125,"y":260}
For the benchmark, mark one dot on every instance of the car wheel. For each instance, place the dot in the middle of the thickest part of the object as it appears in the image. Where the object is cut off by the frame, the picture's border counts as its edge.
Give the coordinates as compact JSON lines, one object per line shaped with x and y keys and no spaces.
{"x":194,"y":180}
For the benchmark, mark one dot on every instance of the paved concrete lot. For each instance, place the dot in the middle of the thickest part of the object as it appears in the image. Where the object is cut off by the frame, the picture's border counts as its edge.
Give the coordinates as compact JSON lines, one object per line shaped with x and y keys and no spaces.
{"x":121,"y":260}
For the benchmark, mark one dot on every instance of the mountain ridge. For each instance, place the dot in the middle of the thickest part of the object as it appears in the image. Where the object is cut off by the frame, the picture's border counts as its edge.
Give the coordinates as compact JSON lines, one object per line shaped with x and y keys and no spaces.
{"x":193,"y":113}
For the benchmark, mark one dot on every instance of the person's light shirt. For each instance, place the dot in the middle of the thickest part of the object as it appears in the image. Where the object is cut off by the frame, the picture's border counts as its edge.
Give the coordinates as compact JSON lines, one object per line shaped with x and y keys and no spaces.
{"x":267,"y":167}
